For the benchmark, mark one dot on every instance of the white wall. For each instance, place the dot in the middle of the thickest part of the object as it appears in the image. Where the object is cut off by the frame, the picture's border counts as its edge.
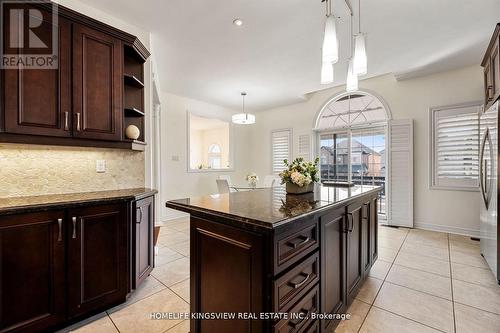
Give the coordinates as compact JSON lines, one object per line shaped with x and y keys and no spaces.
{"x":453,"y":211}
{"x":176,"y":181}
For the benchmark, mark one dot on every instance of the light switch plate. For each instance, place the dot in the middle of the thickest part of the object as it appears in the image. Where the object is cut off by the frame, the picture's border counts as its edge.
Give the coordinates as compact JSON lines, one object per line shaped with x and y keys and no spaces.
{"x":175,"y":158}
{"x":100,"y":166}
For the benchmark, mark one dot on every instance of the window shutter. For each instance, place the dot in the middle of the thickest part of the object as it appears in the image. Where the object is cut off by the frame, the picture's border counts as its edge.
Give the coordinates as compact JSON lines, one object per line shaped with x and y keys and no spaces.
{"x":455,"y":147}
{"x":304,"y":147}
{"x":400,"y":203}
{"x":281,"y":149}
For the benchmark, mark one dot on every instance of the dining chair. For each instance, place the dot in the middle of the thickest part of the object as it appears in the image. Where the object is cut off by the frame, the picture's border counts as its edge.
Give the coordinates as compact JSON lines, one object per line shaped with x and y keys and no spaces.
{"x":222,"y":186}
{"x":226,"y":177}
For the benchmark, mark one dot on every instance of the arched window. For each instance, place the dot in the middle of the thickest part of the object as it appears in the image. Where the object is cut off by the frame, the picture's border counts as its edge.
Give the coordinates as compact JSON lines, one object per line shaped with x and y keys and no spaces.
{"x":351,"y":138}
{"x":214,"y":156}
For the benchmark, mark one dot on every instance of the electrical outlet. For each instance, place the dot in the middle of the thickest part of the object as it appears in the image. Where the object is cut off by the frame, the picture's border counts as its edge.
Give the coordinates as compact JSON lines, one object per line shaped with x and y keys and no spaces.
{"x":100,"y":166}
{"x":175,"y":158}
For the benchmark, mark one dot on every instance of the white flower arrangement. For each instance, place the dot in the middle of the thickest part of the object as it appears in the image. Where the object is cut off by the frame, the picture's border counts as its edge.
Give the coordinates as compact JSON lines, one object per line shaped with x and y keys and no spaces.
{"x":300,"y":172}
{"x":252,"y":178}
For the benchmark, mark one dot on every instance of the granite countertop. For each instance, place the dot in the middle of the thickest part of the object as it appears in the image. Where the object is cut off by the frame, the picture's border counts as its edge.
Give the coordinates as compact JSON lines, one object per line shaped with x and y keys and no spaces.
{"x":272,"y":207}
{"x":24,"y":204}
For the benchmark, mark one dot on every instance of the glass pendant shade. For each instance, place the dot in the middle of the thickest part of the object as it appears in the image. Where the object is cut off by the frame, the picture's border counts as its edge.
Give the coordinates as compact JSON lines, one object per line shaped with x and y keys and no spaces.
{"x":360,"y":65}
{"x":330,"y":51}
{"x":352,"y":78}
{"x":327,"y":73}
{"x":243,"y":119}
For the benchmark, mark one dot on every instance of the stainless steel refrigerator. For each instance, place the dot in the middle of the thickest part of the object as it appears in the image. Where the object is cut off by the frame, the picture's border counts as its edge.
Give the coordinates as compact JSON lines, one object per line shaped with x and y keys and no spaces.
{"x":488,"y":181}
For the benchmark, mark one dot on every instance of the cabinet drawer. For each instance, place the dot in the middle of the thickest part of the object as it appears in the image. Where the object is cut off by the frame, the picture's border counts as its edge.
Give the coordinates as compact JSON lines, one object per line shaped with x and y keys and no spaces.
{"x":307,"y":305}
{"x":314,"y":328}
{"x":296,"y":282}
{"x":292,"y":247}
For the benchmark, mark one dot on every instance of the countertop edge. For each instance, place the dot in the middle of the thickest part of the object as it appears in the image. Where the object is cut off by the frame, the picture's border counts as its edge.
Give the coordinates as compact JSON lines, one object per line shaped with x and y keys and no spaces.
{"x":75,"y":203}
{"x":261,"y":224}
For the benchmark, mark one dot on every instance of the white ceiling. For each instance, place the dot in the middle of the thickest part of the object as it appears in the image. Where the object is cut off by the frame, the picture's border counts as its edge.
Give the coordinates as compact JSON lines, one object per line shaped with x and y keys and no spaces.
{"x":275,"y":55}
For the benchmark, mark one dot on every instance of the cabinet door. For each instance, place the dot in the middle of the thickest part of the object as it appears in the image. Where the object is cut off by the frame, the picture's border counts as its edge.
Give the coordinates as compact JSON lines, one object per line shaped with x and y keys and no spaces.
{"x":354,"y":250}
{"x":143,"y":252}
{"x":97,"y":257}
{"x":374,"y":230}
{"x":97,"y":85}
{"x":38,"y":101}
{"x":495,"y":71}
{"x":365,"y":237}
{"x":488,"y":84}
{"x":333,"y":266}
{"x":32,"y":271}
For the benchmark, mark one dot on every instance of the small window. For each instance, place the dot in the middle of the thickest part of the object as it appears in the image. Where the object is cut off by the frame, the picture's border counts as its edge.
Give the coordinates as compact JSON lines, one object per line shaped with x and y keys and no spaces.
{"x":281,"y":149}
{"x":209,"y":144}
{"x":455,"y":147}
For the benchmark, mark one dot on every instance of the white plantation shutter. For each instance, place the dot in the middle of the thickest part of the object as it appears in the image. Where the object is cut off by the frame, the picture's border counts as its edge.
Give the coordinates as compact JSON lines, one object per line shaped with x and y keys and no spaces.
{"x":455,"y":147}
{"x":400,"y":191}
{"x":304,"y":145}
{"x":281,"y":149}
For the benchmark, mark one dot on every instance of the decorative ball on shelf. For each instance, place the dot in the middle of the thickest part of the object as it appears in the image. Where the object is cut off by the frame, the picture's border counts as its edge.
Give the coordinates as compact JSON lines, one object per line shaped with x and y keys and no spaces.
{"x":132,"y":132}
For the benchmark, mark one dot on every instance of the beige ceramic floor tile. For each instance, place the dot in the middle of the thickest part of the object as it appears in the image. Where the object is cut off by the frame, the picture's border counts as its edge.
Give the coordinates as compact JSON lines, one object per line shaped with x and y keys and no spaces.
{"x":471,"y":259}
{"x":481,"y":297}
{"x":469,"y":248}
{"x":102,"y":325}
{"x":369,"y":290}
{"x":423,"y":263}
{"x":173,"y":272}
{"x":389,"y":243}
{"x":423,"y":308}
{"x":137,"y":317}
{"x":358,"y":311}
{"x":166,"y":255}
{"x":149,"y":287}
{"x":428,"y":234}
{"x":472,"y":320}
{"x":429,"y":251}
{"x":473,"y":274}
{"x":182,"y":289}
{"x":461,"y":239}
{"x":380,"y":321}
{"x":379,"y":269}
{"x":387,"y":254}
{"x":182,"y":248}
{"x":181,"y":328}
{"x":416,"y":238}
{"x":433,"y":284}
{"x":392,"y":233}
{"x":172,"y":237}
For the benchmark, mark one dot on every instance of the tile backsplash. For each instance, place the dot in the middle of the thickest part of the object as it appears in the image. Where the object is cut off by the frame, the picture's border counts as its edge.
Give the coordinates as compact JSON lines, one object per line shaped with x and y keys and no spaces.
{"x":35,"y":170}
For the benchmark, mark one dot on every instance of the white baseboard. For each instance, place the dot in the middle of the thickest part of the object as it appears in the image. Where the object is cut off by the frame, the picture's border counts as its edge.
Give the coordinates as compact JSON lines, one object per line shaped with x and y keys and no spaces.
{"x":448,"y":229}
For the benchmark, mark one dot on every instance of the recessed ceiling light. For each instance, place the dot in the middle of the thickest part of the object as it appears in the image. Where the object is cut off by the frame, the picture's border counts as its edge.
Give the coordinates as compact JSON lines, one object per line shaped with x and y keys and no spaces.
{"x":238,"y":22}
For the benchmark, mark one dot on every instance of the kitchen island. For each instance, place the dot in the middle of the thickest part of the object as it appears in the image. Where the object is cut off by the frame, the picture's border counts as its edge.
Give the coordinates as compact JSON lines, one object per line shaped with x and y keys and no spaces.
{"x":283,"y":259}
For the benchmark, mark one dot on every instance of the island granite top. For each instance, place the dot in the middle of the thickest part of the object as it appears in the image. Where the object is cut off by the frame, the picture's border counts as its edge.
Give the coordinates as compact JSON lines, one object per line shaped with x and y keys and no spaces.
{"x":269,"y":208}
{"x":41,"y":202}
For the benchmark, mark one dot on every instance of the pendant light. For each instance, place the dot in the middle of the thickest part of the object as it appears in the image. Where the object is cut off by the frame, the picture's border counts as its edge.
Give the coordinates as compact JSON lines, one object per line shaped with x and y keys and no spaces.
{"x":352,"y":78}
{"x":360,"y":65}
{"x":330,"y":49}
{"x":327,"y":73}
{"x":243,"y":118}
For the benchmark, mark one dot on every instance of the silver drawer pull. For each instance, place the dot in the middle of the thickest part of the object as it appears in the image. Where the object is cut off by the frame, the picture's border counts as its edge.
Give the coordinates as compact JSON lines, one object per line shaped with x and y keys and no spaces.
{"x":59,"y":237}
{"x":297,"y":244}
{"x":300,"y":284}
{"x":78,"y":125}
{"x":74,"y":228}
{"x":66,"y":121}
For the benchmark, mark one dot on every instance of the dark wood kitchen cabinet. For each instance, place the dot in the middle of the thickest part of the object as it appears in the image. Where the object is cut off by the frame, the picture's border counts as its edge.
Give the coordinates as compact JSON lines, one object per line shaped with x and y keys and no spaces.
{"x":97,"y":257}
{"x":491,"y":65}
{"x":143,"y":246}
{"x":97,"y":84}
{"x":87,"y":100}
{"x":333,"y":263}
{"x":354,"y":258}
{"x":64,"y":262}
{"x":38,"y":101}
{"x":32,"y":271}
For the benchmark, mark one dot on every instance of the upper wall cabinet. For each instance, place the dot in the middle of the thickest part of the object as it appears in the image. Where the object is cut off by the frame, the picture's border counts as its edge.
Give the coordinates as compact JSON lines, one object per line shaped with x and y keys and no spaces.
{"x":97,"y":84}
{"x":91,"y":93}
{"x":491,"y":65}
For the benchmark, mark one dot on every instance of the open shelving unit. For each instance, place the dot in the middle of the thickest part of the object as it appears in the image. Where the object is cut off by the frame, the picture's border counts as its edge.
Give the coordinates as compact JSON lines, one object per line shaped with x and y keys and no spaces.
{"x":133,"y":95}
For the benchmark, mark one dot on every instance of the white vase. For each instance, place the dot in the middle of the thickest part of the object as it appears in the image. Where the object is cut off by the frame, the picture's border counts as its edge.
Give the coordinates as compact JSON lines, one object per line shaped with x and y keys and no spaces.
{"x":292,"y":188}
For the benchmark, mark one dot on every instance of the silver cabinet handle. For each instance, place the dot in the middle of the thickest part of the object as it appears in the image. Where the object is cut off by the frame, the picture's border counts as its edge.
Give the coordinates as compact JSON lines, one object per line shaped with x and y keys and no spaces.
{"x":66,"y":121}
{"x":350,"y":222}
{"x":140,"y":218}
{"x":74,"y":228}
{"x":78,"y":125}
{"x":59,"y":222}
